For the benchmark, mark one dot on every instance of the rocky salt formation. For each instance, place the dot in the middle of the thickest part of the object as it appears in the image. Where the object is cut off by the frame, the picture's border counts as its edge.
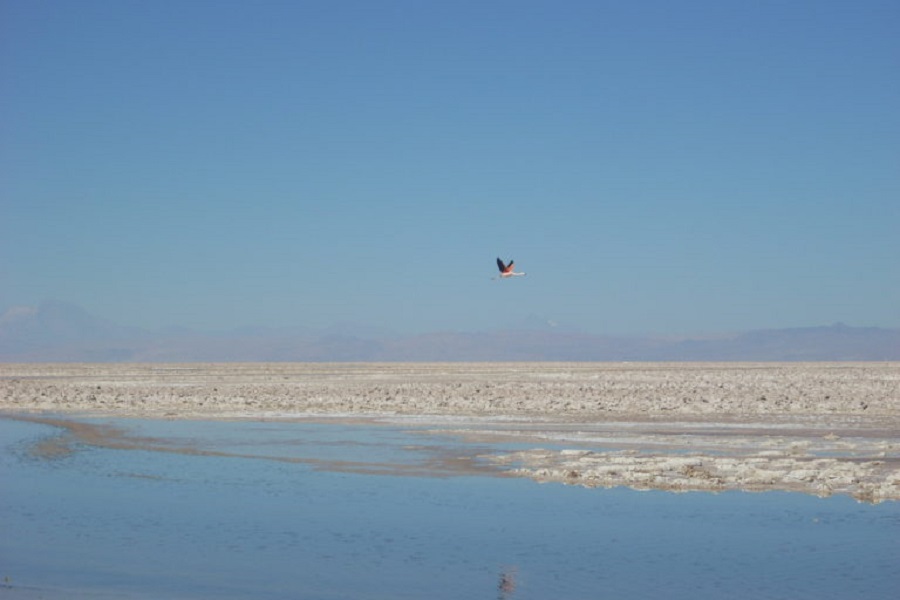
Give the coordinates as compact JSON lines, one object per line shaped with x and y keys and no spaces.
{"x":593,"y":391}
{"x":823,"y":428}
{"x":866,"y":480}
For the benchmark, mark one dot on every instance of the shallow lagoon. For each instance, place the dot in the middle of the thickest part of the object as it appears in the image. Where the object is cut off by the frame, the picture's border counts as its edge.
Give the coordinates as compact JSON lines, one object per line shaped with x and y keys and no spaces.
{"x":331,"y":511}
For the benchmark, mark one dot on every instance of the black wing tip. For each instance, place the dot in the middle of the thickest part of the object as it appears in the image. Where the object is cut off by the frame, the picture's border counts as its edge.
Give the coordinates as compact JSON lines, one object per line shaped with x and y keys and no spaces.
{"x":502,"y":266}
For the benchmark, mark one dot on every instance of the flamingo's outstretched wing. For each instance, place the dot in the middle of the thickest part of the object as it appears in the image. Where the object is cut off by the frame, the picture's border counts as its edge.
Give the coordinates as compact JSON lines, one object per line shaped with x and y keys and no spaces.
{"x":500,"y":265}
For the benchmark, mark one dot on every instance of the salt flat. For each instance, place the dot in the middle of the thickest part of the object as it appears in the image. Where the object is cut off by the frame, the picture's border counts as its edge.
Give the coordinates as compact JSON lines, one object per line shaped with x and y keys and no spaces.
{"x":820,"y":428}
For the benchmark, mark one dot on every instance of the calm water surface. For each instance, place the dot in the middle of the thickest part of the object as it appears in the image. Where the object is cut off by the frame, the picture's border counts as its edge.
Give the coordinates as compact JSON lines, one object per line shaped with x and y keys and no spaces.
{"x":331,"y":511}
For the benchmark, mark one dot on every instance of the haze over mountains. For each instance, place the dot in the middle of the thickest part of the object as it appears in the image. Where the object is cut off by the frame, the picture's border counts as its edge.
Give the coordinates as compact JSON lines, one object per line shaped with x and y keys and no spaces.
{"x":63,"y":332}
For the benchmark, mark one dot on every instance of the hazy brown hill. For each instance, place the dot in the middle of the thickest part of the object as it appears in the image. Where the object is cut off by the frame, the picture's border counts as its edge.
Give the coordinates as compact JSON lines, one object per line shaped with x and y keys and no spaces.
{"x":837,"y":342}
{"x":63,"y":332}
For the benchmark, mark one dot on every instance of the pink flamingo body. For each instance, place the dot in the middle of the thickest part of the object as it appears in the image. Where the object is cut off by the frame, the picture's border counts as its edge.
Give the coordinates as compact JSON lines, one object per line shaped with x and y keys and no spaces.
{"x":508,"y":270}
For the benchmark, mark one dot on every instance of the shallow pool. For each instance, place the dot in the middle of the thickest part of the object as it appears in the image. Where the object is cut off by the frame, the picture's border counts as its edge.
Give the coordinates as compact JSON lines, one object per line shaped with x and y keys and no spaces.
{"x":335,"y":511}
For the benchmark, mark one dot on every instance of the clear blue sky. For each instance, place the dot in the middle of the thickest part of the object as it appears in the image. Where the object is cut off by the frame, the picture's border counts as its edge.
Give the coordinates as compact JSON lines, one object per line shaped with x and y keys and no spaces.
{"x":669,"y":167}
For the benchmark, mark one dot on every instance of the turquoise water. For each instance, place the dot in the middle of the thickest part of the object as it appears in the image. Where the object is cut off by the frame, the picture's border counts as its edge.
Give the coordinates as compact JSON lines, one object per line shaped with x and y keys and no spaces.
{"x":330,"y":511}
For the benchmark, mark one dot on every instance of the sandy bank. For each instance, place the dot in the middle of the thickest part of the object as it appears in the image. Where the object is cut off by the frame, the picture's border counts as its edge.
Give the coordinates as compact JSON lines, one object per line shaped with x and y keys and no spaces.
{"x":818,"y":427}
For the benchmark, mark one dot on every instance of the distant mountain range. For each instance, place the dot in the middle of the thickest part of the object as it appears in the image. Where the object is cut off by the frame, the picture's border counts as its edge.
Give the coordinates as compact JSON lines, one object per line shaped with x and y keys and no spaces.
{"x":62,"y":332}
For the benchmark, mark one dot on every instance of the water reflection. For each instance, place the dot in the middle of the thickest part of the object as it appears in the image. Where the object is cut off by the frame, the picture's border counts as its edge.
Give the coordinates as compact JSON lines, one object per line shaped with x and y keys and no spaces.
{"x":507,"y":584}
{"x":117,"y":522}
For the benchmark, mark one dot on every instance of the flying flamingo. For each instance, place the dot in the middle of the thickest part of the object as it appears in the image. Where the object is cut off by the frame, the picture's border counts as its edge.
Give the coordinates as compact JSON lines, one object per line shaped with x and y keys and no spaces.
{"x":507,"y":270}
